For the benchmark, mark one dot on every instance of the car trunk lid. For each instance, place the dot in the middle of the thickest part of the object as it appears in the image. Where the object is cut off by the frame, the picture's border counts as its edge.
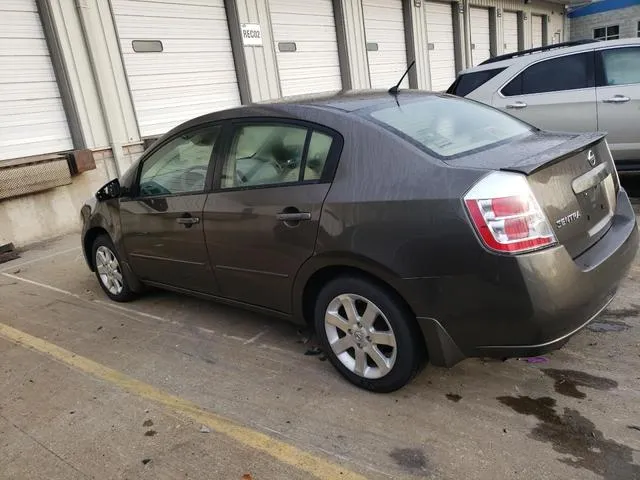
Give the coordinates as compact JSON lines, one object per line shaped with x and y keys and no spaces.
{"x":572,"y":176}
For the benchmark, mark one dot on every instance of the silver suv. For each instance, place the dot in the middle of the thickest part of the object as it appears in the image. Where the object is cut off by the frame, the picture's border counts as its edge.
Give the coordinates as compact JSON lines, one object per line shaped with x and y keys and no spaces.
{"x":575,"y":86}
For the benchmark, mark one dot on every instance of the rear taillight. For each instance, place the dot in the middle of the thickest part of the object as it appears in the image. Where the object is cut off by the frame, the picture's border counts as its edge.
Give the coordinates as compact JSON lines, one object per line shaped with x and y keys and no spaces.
{"x":506,"y":214}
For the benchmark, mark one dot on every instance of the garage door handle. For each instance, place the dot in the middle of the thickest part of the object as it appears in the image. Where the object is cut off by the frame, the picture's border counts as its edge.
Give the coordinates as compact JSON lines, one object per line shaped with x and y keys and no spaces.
{"x":617,"y":99}
{"x":293,"y":216}
{"x":517,"y":105}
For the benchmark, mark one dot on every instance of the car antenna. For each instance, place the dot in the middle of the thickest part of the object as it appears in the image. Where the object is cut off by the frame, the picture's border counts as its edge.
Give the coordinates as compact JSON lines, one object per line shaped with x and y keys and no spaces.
{"x":394,"y":90}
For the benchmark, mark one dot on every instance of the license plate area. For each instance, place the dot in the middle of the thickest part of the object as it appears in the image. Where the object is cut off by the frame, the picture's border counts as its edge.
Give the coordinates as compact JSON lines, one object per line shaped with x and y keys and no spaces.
{"x":595,"y":193}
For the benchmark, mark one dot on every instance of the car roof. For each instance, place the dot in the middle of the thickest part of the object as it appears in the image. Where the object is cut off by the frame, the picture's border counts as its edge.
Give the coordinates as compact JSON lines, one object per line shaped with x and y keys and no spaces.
{"x":524,"y":57}
{"x":349,"y":100}
{"x":341,"y":103}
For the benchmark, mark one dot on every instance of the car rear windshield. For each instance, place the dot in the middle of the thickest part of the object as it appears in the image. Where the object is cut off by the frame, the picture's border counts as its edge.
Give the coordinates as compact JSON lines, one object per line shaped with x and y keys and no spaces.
{"x":468,"y":82}
{"x":448,"y":127}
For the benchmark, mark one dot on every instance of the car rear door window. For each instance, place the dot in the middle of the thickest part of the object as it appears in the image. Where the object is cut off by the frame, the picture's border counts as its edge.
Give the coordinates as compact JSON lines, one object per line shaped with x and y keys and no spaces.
{"x":468,"y":82}
{"x":570,"y":72}
{"x":619,"y":66}
{"x":180,"y":166}
{"x":275,"y":154}
{"x":264,"y":155}
{"x":319,"y":148}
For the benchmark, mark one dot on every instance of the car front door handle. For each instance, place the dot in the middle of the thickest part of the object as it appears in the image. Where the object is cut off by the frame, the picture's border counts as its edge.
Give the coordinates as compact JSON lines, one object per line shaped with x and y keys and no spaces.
{"x":188,"y":221}
{"x":293,"y":216}
{"x":617,"y":99}
{"x":517,"y":105}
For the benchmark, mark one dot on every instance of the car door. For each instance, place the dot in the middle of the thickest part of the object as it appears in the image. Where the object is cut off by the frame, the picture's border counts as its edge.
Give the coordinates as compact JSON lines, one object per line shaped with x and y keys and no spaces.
{"x":618,"y":95}
{"x":261,"y":222}
{"x":161,"y":222}
{"x":553,"y":94}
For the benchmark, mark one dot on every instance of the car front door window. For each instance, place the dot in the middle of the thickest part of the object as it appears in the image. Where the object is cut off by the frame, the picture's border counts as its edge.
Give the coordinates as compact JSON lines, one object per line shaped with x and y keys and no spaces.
{"x":180,"y":166}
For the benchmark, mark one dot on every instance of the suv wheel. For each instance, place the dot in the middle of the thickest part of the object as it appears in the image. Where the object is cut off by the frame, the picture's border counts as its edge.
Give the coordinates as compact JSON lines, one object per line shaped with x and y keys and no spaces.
{"x":368,"y":334}
{"x":109,"y":271}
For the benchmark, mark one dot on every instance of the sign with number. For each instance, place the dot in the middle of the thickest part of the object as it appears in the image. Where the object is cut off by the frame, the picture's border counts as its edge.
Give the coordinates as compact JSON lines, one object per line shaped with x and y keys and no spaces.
{"x":251,"y":34}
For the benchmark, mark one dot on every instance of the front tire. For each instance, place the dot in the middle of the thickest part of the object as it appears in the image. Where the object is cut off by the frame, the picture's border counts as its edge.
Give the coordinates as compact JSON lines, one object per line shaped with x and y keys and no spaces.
{"x":108,"y":269}
{"x":368,"y":334}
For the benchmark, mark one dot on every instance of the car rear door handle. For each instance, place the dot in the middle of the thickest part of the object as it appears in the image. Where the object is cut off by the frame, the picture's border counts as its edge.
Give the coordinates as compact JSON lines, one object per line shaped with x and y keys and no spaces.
{"x":517,"y":105}
{"x":617,"y":99}
{"x":187,"y":221}
{"x":293,"y":216}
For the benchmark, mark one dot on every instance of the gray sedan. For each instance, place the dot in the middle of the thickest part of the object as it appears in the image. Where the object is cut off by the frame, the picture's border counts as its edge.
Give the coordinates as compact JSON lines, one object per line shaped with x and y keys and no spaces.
{"x":401,"y":227}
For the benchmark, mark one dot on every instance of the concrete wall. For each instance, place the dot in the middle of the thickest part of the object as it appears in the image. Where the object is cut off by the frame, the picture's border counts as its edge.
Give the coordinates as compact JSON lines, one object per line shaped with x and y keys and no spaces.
{"x":626,"y":18}
{"x":44,"y":215}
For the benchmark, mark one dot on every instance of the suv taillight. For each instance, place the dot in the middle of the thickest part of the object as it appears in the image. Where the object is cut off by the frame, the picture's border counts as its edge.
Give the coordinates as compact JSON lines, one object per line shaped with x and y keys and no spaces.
{"x":506,"y":215}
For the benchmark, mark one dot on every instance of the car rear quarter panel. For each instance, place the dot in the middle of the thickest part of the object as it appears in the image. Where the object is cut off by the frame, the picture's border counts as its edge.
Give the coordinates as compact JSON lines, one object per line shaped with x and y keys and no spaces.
{"x":396,"y":213}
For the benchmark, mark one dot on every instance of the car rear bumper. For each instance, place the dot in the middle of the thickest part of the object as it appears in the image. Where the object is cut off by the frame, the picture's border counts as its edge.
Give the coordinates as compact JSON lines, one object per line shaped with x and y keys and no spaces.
{"x":529,"y":304}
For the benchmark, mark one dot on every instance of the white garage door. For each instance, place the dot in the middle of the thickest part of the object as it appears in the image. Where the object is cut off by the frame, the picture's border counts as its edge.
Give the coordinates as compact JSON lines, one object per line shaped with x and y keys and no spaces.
{"x":510,"y":29}
{"x":306,"y":46}
{"x":32,"y":119}
{"x":480,"y":36}
{"x":536,"y":31}
{"x":194,"y":73}
{"x":386,"y":47}
{"x":442,"y":62}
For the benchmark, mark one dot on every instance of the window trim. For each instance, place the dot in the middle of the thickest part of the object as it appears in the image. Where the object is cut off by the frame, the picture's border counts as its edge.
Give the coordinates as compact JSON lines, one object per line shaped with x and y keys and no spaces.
{"x":135,"y":187}
{"x":330,"y":165}
{"x":600,"y":74}
{"x":528,"y":65}
{"x":606,"y":35}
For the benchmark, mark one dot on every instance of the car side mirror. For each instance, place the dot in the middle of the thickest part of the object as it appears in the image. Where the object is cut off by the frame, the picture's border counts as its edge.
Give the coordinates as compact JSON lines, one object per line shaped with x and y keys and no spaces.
{"x":109,"y":191}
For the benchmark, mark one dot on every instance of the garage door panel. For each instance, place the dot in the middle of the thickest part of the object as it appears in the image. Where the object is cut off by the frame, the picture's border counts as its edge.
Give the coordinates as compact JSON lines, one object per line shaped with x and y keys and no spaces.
{"x":384,"y":26}
{"x":315,"y":66}
{"x":30,"y":47}
{"x":193,"y":75}
{"x":301,"y":9}
{"x":510,"y":29}
{"x":219,"y":62}
{"x":442,"y":64}
{"x":176,"y":10}
{"x":176,"y":80}
{"x":480,"y":35}
{"x":132,"y":28}
{"x":324,"y":59}
{"x":536,"y":31}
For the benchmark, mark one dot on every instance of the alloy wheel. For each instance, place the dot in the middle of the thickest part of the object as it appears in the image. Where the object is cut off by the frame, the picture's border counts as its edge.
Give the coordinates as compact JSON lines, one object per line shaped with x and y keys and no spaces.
{"x":360,"y":336}
{"x":109,"y":270}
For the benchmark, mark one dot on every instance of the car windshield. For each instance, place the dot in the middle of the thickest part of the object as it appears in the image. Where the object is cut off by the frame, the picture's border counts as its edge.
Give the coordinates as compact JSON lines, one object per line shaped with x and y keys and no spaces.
{"x":448,"y":127}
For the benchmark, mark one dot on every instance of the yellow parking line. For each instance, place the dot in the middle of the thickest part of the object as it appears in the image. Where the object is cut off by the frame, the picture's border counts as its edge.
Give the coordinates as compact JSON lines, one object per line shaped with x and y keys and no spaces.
{"x":288,"y":454}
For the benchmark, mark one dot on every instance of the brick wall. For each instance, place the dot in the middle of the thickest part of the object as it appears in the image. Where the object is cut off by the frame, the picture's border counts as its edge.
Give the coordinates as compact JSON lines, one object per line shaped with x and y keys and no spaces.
{"x":626,"y":18}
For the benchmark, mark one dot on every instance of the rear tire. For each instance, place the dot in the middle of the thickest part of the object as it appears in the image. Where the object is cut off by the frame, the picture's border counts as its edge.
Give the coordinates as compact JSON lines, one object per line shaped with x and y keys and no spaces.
{"x":108,"y":269}
{"x":368,"y":334}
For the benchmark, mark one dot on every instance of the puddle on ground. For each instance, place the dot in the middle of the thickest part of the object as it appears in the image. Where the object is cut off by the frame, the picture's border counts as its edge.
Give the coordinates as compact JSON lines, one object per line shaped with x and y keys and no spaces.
{"x":574,"y":435}
{"x":410,"y":459}
{"x":608,"y":326}
{"x":568,"y":381}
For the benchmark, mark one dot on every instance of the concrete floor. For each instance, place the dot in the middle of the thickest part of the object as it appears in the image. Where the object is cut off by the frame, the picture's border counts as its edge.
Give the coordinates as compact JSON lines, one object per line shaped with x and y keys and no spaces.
{"x":575,"y":416}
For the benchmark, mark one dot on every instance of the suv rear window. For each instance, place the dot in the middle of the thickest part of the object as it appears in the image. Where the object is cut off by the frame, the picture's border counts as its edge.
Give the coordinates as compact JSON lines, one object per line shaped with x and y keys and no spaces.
{"x":447,"y":127}
{"x":468,"y":82}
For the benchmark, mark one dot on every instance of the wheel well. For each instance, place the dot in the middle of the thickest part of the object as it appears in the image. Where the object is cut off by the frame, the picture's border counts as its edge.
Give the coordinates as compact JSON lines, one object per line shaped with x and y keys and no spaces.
{"x":323,"y":276}
{"x":89,"y":238}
